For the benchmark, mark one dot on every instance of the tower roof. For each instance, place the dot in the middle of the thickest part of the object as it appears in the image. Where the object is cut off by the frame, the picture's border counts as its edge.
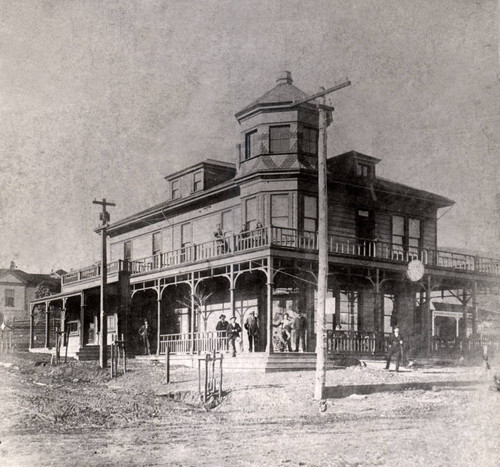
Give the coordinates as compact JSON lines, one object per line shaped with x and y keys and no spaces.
{"x":282,"y":94}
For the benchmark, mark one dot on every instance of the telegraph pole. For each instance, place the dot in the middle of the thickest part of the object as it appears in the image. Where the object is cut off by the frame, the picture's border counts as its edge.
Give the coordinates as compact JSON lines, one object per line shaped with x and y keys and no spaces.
{"x":103,"y":336}
{"x":321,"y":336}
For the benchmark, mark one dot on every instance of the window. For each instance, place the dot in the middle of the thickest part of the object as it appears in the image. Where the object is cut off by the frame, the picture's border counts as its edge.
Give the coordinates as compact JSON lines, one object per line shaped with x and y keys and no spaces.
{"x":251,"y":213}
{"x":398,"y":232}
{"x":227,"y":222}
{"x":279,"y":210}
{"x":198,"y":181}
{"x":310,"y":213}
{"x":127,"y":250}
{"x":348,"y":311}
{"x":156,"y":243}
{"x":309,"y":141}
{"x":279,"y":139}
{"x":9,"y":297}
{"x":364,"y":170}
{"x":413,"y":234}
{"x":388,"y":312}
{"x":111,"y":323}
{"x":186,"y":235}
{"x":250,"y":144}
{"x":176,"y":191}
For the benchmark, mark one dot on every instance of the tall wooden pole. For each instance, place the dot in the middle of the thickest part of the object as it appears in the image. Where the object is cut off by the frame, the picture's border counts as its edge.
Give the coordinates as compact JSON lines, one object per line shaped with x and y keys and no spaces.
{"x":103,"y":337}
{"x":321,"y":337}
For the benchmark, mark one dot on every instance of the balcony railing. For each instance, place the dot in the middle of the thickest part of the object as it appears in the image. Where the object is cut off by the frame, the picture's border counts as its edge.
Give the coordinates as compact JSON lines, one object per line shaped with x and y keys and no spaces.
{"x":199,"y":342}
{"x":283,"y":237}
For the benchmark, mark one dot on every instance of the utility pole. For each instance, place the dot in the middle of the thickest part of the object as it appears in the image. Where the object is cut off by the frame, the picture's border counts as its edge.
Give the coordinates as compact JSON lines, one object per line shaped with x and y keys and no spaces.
{"x":321,"y":336}
{"x":103,"y":336}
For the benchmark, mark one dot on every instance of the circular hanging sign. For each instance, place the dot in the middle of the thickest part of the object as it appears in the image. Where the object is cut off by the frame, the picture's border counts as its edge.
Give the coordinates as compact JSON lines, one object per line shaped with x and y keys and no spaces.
{"x":415,"y":270}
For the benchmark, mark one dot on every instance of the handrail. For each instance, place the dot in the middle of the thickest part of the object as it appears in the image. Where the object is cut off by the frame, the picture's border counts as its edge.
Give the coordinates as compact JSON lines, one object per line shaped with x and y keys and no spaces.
{"x":285,"y":237}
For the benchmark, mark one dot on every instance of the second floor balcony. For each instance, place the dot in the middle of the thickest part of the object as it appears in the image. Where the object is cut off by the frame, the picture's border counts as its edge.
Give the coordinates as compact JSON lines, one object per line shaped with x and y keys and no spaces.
{"x":287,"y":238}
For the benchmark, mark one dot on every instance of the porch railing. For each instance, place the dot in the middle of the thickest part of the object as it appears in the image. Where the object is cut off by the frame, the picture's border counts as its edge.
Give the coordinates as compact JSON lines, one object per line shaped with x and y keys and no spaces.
{"x":200,"y":343}
{"x":354,"y":342}
{"x":457,"y":346}
{"x":284,"y":237}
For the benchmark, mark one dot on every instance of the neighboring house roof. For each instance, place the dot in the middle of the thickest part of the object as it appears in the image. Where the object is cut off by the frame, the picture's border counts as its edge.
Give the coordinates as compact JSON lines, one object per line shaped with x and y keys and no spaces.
{"x":31,"y":280}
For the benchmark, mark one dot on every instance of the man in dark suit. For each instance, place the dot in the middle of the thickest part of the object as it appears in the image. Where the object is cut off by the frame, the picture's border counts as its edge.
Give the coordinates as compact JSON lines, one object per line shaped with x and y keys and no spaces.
{"x":252,"y":327}
{"x":300,"y":326}
{"x":396,"y":348}
{"x":233,"y":333}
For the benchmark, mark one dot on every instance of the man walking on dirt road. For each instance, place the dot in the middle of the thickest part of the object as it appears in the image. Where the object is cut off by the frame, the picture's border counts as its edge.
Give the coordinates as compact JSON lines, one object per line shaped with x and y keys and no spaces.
{"x":396,"y":347}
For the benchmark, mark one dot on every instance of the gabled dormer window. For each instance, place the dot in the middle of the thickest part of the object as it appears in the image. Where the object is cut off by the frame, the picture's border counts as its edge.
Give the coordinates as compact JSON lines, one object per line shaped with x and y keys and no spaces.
{"x":279,"y":139}
{"x":364,"y":170}
{"x":176,"y":189}
{"x":198,"y":181}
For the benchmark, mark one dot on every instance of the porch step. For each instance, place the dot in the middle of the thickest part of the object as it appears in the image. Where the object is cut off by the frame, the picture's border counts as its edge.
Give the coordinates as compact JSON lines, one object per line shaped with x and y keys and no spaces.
{"x":90,"y":353}
{"x":258,"y":362}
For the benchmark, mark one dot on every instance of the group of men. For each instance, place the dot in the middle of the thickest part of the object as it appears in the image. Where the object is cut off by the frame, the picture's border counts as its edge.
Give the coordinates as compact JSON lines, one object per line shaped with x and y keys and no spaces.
{"x":233,"y":330}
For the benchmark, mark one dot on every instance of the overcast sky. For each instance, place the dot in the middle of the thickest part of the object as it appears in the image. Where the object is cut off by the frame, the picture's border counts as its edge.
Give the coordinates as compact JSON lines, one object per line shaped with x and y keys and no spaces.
{"x":105,"y":98}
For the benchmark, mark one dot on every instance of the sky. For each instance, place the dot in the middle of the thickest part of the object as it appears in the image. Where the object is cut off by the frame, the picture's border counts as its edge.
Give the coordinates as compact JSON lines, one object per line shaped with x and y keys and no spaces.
{"x":103,"y":99}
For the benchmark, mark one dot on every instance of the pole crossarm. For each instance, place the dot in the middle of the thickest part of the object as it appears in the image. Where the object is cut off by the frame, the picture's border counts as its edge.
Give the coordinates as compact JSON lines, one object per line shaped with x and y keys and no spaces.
{"x":334,"y":88}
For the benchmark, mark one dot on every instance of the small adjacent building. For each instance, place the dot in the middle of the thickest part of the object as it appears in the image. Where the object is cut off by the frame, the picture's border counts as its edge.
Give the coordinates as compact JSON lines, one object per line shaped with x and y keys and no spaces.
{"x":240,"y":237}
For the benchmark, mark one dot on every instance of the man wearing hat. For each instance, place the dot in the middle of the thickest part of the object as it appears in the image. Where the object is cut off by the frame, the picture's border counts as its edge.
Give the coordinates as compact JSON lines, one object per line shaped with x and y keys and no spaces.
{"x":222,"y":326}
{"x":233,"y":333}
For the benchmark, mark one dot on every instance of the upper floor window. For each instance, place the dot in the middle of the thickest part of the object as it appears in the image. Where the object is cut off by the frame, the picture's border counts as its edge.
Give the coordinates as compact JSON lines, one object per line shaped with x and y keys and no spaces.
{"x":364,"y":170}
{"x":198,"y":181}
{"x":250,"y":144}
{"x":279,"y":210}
{"x":413,"y":234}
{"x":251,"y":213}
{"x":9,"y":297}
{"x":127,"y":250}
{"x":279,"y":139}
{"x":156,"y":243}
{"x":176,"y":189}
{"x":310,"y":213}
{"x":398,"y":232}
{"x":309,"y":141}
{"x":405,"y":233}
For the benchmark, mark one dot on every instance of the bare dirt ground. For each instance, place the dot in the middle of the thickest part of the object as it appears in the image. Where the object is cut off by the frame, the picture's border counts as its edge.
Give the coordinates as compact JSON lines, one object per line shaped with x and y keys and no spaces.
{"x":74,"y":415}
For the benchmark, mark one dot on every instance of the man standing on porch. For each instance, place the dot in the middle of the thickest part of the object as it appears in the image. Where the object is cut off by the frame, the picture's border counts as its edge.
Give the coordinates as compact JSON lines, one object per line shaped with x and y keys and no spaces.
{"x":252,"y":327}
{"x":300,"y":326}
{"x":233,"y":333}
{"x":222,"y":326}
{"x":144,"y":333}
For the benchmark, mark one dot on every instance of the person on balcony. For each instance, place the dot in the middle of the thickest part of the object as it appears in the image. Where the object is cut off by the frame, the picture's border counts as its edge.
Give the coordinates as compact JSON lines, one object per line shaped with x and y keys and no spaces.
{"x":243,"y":242}
{"x":395,"y":349}
{"x":287,"y":324}
{"x":220,"y":241}
{"x":233,"y":333}
{"x":144,"y":333}
{"x":300,"y":326}
{"x":258,"y":235}
{"x":252,"y":327}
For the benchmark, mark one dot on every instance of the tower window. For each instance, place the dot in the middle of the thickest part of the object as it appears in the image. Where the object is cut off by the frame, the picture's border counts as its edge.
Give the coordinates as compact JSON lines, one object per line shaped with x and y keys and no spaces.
{"x":309,"y":141}
{"x":364,"y":170}
{"x":279,"y":139}
{"x":198,"y":181}
{"x":250,"y":144}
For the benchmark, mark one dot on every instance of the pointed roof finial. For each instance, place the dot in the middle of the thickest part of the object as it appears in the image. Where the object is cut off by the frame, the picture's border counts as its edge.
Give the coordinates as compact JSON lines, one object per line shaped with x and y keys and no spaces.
{"x":284,"y":77}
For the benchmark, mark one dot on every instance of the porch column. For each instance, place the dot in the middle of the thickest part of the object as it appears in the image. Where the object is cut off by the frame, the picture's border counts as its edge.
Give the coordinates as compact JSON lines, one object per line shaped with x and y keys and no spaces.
{"x":269,"y":343}
{"x":32,"y":325}
{"x":231,"y":292}
{"x":457,"y":322}
{"x":428,"y":319}
{"x":47,"y":341}
{"x":474,"y":308}
{"x":158,"y":310}
{"x":82,"y":318}
{"x":464,"y":312}
{"x":192,"y":314}
{"x":432,"y":324}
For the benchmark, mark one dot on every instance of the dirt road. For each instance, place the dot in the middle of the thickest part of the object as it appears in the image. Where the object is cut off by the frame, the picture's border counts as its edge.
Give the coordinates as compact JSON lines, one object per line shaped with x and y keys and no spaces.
{"x":75,"y":416}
